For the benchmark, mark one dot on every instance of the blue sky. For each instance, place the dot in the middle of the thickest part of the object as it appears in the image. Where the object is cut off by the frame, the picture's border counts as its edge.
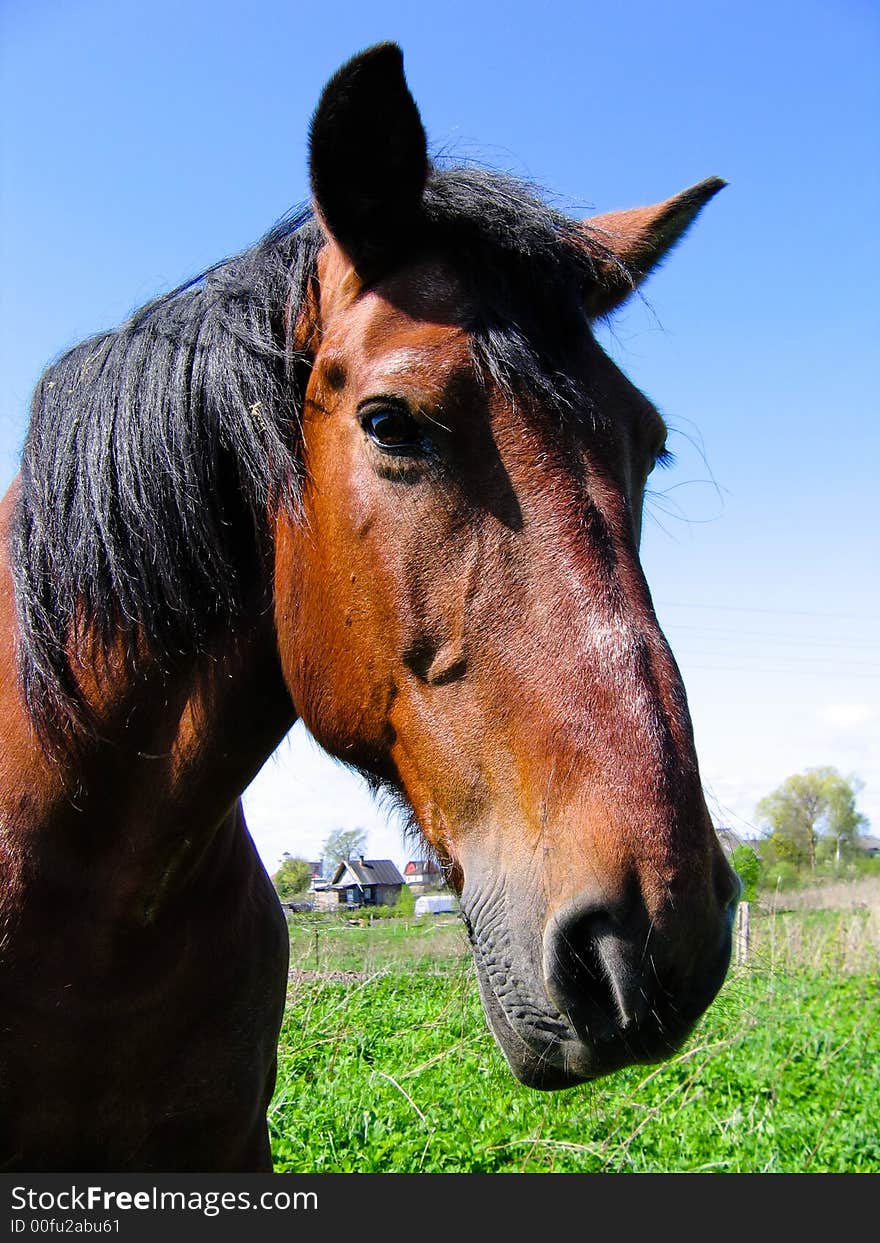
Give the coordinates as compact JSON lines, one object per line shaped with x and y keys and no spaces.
{"x":143,"y":141}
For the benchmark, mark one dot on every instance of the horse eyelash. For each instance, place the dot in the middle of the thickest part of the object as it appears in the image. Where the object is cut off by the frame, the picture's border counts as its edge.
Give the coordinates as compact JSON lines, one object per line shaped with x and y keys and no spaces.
{"x":430,"y":419}
{"x":665,"y":459}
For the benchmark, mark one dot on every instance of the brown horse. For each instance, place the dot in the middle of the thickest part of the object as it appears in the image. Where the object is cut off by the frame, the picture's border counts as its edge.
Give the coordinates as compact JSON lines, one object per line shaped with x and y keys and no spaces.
{"x":375,"y":473}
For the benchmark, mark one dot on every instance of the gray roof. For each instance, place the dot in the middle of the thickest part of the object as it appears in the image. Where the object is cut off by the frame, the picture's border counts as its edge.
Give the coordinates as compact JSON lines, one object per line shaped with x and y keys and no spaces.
{"x":369,"y":872}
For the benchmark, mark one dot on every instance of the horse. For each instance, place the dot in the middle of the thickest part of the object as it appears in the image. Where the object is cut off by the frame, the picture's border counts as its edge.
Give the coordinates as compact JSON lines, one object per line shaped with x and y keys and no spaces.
{"x":377,"y":474}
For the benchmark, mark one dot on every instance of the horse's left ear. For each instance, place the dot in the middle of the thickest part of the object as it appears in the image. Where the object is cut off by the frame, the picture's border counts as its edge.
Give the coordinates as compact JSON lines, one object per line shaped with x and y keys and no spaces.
{"x":638,"y":240}
{"x":368,"y":157}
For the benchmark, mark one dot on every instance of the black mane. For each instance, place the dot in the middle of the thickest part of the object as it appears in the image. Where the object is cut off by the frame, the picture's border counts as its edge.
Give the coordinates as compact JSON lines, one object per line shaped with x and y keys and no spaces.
{"x":155,"y":452}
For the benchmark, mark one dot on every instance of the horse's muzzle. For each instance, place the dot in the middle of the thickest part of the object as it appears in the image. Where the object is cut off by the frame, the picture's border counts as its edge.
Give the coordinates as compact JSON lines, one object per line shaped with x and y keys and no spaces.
{"x":597,"y":984}
{"x":626,"y":996}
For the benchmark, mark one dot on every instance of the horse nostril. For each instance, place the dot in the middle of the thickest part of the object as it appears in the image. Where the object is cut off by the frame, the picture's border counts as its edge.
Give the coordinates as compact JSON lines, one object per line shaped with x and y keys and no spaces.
{"x":629,"y":992}
{"x":594,"y":970}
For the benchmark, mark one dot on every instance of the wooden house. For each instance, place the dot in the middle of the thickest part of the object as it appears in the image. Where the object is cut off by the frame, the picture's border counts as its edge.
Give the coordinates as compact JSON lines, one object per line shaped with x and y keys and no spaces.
{"x":423,"y":875}
{"x":363,"y":882}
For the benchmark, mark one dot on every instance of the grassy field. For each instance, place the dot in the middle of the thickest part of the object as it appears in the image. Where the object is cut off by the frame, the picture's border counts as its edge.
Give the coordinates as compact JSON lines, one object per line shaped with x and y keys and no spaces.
{"x":386,"y":1063}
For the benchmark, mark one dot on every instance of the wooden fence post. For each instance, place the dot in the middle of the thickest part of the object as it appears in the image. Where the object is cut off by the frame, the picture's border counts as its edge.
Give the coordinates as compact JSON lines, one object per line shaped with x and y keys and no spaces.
{"x":741,"y":935}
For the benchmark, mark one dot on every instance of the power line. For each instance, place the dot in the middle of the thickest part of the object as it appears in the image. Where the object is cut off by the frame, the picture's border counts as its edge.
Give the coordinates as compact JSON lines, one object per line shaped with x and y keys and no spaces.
{"x":728,"y":811}
{"x":801,"y":659}
{"x":696,"y":633}
{"x":789,"y":671}
{"x":738,"y":608}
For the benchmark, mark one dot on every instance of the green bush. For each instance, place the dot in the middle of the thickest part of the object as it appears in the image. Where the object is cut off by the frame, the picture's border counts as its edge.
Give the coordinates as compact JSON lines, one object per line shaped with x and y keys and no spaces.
{"x":782,"y":875}
{"x":866,"y":865}
{"x":366,"y":913}
{"x":748,"y":868}
{"x":403,"y":908}
{"x":406,"y":903}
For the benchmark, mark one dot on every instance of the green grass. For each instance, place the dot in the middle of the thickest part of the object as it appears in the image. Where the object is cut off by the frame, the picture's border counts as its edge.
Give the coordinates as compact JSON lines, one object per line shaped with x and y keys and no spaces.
{"x":386,"y":1064}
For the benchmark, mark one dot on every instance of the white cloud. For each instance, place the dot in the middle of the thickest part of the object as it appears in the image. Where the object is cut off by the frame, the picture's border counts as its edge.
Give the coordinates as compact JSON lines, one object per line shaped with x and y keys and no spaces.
{"x":301,"y":795}
{"x":847,"y":715}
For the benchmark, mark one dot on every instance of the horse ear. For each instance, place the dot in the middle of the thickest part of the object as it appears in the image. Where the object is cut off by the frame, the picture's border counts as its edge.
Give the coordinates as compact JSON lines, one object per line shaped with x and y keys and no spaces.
{"x":368,"y":158}
{"x":638,"y":240}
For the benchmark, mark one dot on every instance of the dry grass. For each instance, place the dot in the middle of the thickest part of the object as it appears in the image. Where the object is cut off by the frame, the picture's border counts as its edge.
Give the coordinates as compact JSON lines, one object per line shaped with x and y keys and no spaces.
{"x":863,"y":894}
{"x":832,"y":927}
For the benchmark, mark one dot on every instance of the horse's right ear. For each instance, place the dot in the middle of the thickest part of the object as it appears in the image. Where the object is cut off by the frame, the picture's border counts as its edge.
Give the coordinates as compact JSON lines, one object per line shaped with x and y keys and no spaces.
{"x":638,"y":240}
{"x":368,"y":158}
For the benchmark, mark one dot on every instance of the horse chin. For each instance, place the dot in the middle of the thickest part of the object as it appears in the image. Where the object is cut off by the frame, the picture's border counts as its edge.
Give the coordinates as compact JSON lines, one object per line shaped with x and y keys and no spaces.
{"x":549,"y":1054}
{"x":545,"y":1065}
{"x":548,"y":1060}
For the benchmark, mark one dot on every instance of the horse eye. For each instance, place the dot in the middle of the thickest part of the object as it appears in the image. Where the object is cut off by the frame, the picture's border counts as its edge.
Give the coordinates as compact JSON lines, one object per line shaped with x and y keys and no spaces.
{"x":393,"y":428}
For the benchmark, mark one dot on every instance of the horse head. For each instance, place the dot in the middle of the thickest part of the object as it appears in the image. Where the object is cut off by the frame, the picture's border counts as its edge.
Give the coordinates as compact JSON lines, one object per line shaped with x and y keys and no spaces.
{"x":460,"y":606}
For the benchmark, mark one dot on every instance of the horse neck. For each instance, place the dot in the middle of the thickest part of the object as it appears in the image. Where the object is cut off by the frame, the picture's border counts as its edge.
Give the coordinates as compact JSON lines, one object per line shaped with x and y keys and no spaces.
{"x":161,"y":782}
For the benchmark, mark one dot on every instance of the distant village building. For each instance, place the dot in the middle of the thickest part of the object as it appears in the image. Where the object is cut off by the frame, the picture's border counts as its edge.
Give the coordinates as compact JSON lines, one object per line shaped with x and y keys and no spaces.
{"x":434,"y":904}
{"x":360,"y":882}
{"x":730,"y":839}
{"x":423,"y":875}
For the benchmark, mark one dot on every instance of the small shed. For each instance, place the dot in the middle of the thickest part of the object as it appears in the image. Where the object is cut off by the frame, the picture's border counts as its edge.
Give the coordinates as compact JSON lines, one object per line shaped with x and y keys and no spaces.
{"x":367,"y":882}
{"x":435,"y":904}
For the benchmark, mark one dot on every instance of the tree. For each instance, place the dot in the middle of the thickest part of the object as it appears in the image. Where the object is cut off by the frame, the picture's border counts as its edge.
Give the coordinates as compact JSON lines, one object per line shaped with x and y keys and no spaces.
{"x":345,"y":844}
{"x":844,"y":822}
{"x":806,"y":805}
{"x":292,"y":878}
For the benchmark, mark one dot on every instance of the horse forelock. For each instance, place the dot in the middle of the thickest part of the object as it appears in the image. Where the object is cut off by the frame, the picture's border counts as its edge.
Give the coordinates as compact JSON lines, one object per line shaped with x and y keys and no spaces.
{"x":155,"y":452}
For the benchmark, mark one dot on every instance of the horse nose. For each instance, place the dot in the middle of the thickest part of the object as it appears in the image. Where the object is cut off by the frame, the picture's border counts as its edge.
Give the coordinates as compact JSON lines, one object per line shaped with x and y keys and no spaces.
{"x":626,"y":990}
{"x":594,"y":967}
{"x":729,"y":889}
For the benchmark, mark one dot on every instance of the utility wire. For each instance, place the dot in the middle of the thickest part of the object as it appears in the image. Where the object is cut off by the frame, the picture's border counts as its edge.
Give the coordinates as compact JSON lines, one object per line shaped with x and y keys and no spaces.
{"x":738,"y":608}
